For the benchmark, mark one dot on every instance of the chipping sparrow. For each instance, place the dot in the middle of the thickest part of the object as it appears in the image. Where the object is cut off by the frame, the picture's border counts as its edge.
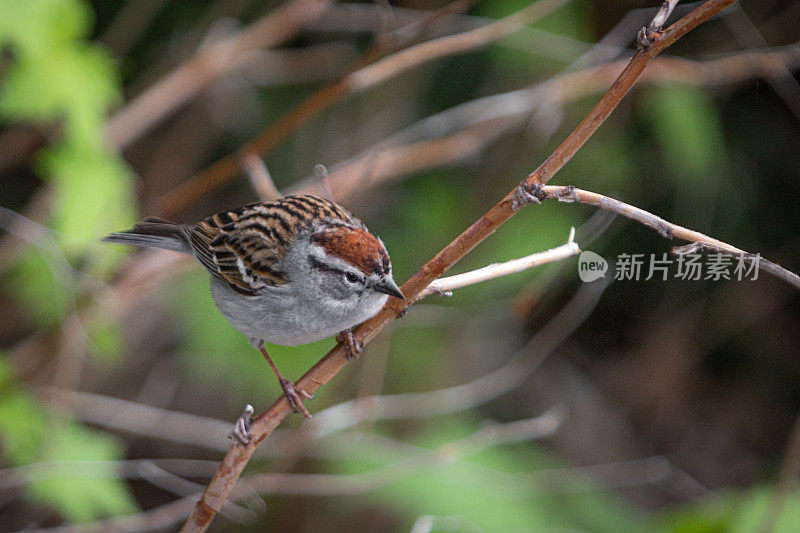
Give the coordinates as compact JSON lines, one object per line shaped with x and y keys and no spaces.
{"x":290,"y":271}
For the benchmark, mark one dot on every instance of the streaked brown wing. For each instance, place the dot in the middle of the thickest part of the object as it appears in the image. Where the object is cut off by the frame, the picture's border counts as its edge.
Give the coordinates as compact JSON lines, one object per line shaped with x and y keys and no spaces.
{"x":245,"y":247}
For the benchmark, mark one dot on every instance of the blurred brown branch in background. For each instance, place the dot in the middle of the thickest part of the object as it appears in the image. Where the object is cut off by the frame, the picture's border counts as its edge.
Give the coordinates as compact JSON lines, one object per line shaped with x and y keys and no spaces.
{"x":486,"y":436}
{"x":746,"y":34}
{"x":358,"y":80}
{"x":207,"y":65}
{"x":236,"y":459}
{"x":460,"y":133}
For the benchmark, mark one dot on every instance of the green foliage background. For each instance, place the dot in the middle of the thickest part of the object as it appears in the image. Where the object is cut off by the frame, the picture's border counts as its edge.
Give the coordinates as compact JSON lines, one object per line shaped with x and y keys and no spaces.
{"x":57,"y":77}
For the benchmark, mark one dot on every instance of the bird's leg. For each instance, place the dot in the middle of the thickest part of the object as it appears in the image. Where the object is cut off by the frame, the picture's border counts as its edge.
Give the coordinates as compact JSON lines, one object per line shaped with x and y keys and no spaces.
{"x":293,"y":393}
{"x":243,"y":429}
{"x":351,"y":345}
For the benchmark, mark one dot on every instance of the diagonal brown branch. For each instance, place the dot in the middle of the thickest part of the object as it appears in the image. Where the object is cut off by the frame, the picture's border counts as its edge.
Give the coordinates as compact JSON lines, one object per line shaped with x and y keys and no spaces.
{"x":237,"y":457}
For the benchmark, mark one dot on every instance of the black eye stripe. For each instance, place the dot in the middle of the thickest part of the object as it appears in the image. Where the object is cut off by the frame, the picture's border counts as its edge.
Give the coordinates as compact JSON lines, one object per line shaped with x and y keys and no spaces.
{"x":323,"y":266}
{"x":330,"y":268}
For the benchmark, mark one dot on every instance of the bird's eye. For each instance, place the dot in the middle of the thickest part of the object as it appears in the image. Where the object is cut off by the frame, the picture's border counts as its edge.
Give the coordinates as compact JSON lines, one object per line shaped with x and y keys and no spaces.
{"x":352,"y":278}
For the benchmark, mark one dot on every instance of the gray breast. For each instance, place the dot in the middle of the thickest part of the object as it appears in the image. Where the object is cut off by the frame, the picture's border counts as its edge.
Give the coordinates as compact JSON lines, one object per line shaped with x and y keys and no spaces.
{"x":277,"y":315}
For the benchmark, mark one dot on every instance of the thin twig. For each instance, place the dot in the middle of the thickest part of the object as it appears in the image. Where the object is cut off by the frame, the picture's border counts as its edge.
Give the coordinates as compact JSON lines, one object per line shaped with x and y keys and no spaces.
{"x":414,"y":56}
{"x":449,"y":284}
{"x":159,"y":519}
{"x":236,"y":459}
{"x":652,"y":31}
{"x":260,"y":178}
{"x":377,"y":165}
{"x":459,"y":134}
{"x":564,"y":480}
{"x":352,"y":18}
{"x":141,"y":419}
{"x":128,"y":468}
{"x":666,"y":229}
{"x":621,"y":86}
{"x":753,"y":259}
{"x":485,"y":437}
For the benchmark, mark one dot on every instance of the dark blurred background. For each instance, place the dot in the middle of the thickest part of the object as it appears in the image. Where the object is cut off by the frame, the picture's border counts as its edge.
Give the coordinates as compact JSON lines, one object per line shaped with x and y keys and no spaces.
{"x":674,"y":401}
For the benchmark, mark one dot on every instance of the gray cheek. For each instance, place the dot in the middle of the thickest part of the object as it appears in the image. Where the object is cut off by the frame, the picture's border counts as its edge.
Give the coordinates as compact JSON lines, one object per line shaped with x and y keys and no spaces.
{"x":327,"y":284}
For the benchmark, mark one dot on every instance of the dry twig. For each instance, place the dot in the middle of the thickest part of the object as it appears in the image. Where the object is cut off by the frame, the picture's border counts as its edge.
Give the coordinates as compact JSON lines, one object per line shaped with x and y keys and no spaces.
{"x":699,"y":241}
{"x":652,"y":31}
{"x":754,"y":259}
{"x":260,"y":178}
{"x":449,"y":284}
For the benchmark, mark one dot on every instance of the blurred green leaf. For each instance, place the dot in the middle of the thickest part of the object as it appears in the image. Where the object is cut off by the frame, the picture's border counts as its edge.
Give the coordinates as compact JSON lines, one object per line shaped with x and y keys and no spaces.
{"x":87,"y":183}
{"x":55,"y":75}
{"x":81,"y":498}
{"x":73,"y":83}
{"x":22,"y":427}
{"x":107,"y":339}
{"x":739,"y":512}
{"x":478,"y":486}
{"x":687,"y":126}
{"x":29,"y":435}
{"x":40,"y":26}
{"x":41,"y":297}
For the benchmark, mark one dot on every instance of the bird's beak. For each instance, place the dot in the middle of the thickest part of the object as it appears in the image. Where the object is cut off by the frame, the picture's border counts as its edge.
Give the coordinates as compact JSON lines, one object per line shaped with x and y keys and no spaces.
{"x":388,"y":286}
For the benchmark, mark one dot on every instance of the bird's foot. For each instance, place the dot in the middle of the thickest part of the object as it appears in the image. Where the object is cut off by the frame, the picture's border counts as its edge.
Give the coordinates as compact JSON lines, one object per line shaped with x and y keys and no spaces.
{"x":351,"y":345}
{"x":243,"y":429}
{"x":295,"y":395}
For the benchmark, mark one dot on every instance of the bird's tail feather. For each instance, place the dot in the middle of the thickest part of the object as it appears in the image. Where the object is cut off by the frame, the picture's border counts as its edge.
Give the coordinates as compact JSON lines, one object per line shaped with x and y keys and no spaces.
{"x":154,"y":233}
